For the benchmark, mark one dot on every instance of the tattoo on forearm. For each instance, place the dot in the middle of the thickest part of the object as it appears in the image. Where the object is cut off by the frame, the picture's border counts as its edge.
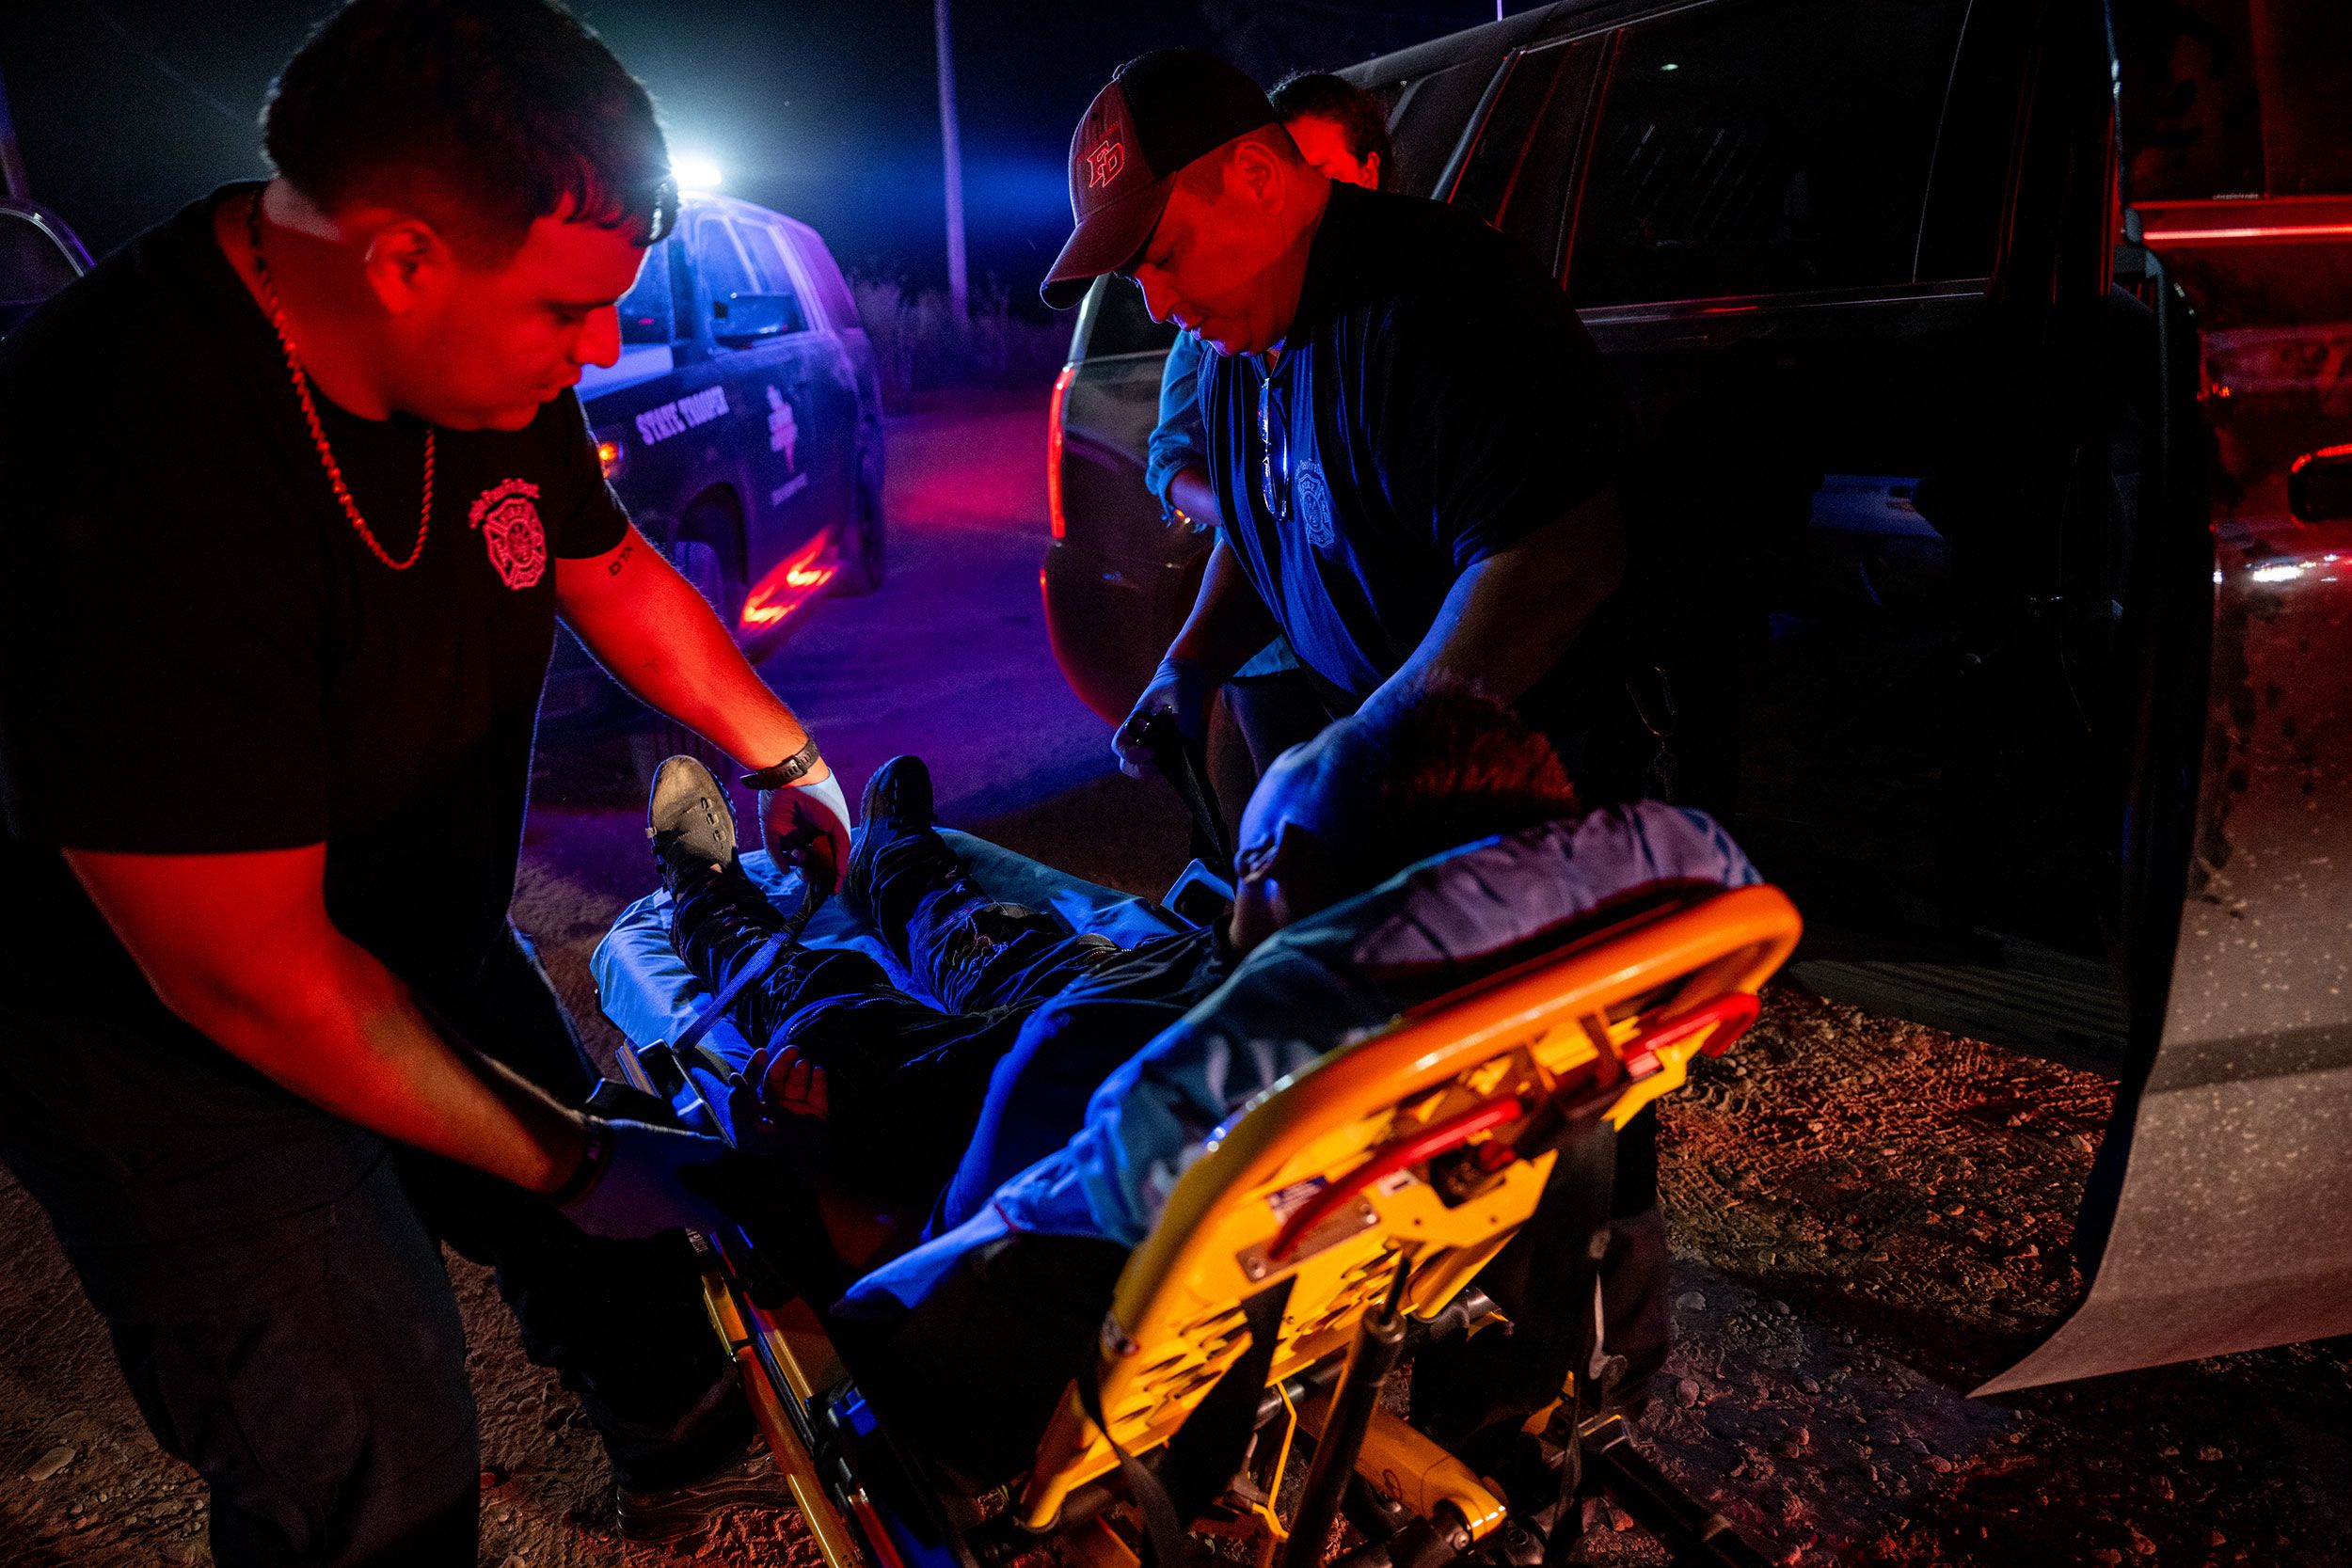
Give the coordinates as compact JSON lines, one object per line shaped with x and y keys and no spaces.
{"x":628,"y":547}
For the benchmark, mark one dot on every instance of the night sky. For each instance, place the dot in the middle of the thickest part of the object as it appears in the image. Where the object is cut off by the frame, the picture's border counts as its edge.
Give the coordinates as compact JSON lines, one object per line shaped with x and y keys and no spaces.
{"x":126,"y":109}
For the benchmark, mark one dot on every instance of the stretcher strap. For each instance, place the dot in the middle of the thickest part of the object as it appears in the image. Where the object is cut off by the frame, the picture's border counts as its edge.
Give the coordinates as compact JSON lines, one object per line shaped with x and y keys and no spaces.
{"x":1207,"y":1450}
{"x":716,"y":1008}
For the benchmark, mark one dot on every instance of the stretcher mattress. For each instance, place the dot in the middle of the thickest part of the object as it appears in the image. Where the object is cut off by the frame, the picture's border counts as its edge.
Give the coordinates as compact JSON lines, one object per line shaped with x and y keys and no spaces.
{"x":650,"y":994}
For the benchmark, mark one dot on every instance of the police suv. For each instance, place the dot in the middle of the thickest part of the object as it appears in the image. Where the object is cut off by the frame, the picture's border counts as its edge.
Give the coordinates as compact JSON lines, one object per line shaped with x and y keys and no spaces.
{"x":741,"y":426}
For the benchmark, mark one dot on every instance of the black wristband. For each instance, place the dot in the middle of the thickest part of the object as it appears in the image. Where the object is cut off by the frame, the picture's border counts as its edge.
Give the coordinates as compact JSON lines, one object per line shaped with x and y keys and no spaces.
{"x":596,"y":1154}
{"x":790,"y":770}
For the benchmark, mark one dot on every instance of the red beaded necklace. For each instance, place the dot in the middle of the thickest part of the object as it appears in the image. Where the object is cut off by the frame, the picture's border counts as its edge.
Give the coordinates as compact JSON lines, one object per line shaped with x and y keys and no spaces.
{"x":311,"y":412}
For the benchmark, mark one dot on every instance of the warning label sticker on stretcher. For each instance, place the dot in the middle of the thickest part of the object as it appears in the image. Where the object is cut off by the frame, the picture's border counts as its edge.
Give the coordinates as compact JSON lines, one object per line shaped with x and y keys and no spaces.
{"x":1287,"y":1200}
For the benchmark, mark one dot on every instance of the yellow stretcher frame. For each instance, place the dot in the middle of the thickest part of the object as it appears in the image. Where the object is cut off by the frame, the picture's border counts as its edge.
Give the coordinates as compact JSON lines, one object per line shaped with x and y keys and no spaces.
{"x":1604,"y":1025}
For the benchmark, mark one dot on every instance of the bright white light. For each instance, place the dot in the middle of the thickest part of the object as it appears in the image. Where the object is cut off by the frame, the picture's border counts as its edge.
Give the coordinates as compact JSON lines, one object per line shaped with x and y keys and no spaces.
{"x":694,"y":173}
{"x":1670,"y":65}
{"x":2286,"y":571}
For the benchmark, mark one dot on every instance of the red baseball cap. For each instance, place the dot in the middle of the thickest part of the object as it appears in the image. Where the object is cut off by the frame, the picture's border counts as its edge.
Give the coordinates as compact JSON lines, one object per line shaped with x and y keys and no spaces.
{"x":1161,"y":111}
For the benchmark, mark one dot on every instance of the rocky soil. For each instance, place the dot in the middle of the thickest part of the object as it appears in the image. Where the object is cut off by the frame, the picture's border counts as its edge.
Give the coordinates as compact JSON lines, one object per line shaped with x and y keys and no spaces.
{"x":1869,"y":1218}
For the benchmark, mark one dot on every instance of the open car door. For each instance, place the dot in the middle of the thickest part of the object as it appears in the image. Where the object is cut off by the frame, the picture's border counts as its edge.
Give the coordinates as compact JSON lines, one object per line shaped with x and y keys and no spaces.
{"x":2214,"y":1222}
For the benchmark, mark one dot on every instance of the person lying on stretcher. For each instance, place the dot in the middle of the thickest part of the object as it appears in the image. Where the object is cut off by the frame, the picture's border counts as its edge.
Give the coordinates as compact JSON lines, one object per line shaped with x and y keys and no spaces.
{"x":1019,"y":1111}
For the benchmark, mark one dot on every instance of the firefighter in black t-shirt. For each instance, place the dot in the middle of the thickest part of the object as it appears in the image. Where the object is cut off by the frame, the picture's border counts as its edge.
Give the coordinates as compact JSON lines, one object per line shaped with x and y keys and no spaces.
{"x":297,"y":489}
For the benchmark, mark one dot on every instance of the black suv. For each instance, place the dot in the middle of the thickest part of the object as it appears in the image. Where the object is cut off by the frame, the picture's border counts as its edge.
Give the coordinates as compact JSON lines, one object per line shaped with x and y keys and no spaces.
{"x":742,"y":427}
{"x":1993,"y":486}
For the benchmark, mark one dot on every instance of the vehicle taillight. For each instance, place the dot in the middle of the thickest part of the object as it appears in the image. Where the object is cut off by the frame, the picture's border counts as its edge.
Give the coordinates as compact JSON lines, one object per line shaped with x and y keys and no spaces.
{"x":1053,"y":447}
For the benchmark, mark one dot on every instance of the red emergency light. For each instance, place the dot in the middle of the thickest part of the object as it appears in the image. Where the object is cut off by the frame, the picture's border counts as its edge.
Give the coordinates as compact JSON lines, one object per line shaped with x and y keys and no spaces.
{"x":1053,"y":447}
{"x":792,"y":585}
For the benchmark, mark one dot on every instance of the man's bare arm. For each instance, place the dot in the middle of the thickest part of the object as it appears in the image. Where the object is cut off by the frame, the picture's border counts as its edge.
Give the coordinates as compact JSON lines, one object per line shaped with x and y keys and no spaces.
{"x":660,"y":639}
{"x":1229,"y":622}
{"x":241,"y":948}
{"x":1509,"y":618}
{"x":1191,"y":494}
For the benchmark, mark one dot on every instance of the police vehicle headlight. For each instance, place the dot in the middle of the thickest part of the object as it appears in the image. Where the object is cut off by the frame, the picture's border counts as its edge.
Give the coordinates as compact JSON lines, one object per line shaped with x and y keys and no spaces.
{"x":694,"y":173}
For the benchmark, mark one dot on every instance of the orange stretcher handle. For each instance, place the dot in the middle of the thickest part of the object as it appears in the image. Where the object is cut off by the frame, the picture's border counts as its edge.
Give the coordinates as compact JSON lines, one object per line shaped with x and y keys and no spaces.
{"x":1728,"y":1016}
{"x":1426,"y":1143}
{"x":1725,"y":1017}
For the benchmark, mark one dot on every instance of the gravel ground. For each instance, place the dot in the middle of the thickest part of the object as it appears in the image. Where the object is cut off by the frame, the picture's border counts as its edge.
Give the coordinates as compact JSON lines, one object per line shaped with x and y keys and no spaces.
{"x":1869,"y":1216}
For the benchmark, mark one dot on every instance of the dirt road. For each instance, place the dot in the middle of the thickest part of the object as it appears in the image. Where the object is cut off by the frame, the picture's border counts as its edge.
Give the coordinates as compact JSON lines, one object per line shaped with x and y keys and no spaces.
{"x":1868,"y":1217}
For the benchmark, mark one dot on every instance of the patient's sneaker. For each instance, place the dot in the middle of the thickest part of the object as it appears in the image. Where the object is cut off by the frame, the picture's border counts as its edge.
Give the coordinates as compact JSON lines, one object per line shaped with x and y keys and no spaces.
{"x":897,"y":798}
{"x":688,"y":818}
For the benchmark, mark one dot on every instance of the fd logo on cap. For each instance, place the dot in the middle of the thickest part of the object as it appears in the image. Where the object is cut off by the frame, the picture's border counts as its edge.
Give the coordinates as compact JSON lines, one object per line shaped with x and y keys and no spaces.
{"x":508,"y":515}
{"x":1104,"y":162}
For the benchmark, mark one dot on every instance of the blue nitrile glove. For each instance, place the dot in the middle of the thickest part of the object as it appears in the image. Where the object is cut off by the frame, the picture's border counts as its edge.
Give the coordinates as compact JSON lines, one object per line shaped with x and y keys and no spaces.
{"x":1180,"y":689}
{"x":639,"y":1179}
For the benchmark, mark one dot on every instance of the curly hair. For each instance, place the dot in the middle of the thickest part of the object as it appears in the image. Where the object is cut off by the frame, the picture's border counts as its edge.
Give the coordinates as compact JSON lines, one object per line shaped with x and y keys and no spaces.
{"x":483,"y":114}
{"x":1437,"y":764}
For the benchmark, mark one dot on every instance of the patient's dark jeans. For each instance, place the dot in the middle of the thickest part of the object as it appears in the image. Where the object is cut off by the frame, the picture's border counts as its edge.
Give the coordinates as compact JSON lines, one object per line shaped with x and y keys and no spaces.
{"x":905,"y":1078}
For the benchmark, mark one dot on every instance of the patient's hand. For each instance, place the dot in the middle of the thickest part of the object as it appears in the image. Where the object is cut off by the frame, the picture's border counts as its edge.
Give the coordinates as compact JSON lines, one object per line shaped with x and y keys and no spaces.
{"x":789,"y":1083}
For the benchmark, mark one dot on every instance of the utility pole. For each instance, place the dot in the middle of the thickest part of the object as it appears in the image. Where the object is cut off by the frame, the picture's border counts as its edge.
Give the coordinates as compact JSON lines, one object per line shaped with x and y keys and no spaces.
{"x":12,"y":163}
{"x":951,"y":154}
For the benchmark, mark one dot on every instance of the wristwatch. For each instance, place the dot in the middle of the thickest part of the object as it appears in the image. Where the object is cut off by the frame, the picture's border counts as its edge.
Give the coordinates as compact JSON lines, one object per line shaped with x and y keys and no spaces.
{"x":790,"y":770}
{"x":596,"y":1155}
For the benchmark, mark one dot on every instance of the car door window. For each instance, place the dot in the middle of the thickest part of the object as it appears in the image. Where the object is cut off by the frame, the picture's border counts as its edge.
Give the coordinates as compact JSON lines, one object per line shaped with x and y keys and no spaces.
{"x":725,"y":274}
{"x":773,"y":273}
{"x":1960,"y":234}
{"x":1518,"y":174}
{"x":824,"y":276}
{"x":1763,"y":147}
{"x":645,"y":310}
{"x":1426,"y":122}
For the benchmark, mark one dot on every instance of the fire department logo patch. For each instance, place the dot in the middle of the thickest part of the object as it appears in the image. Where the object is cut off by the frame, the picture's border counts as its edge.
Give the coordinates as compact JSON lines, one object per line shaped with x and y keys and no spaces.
{"x":1314,"y":505}
{"x":508,"y":515}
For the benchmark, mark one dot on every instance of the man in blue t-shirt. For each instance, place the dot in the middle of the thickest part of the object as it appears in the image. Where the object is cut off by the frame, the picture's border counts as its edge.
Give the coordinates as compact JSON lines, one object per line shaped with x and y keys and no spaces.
{"x":1343,"y":133}
{"x":1411,"y":440}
